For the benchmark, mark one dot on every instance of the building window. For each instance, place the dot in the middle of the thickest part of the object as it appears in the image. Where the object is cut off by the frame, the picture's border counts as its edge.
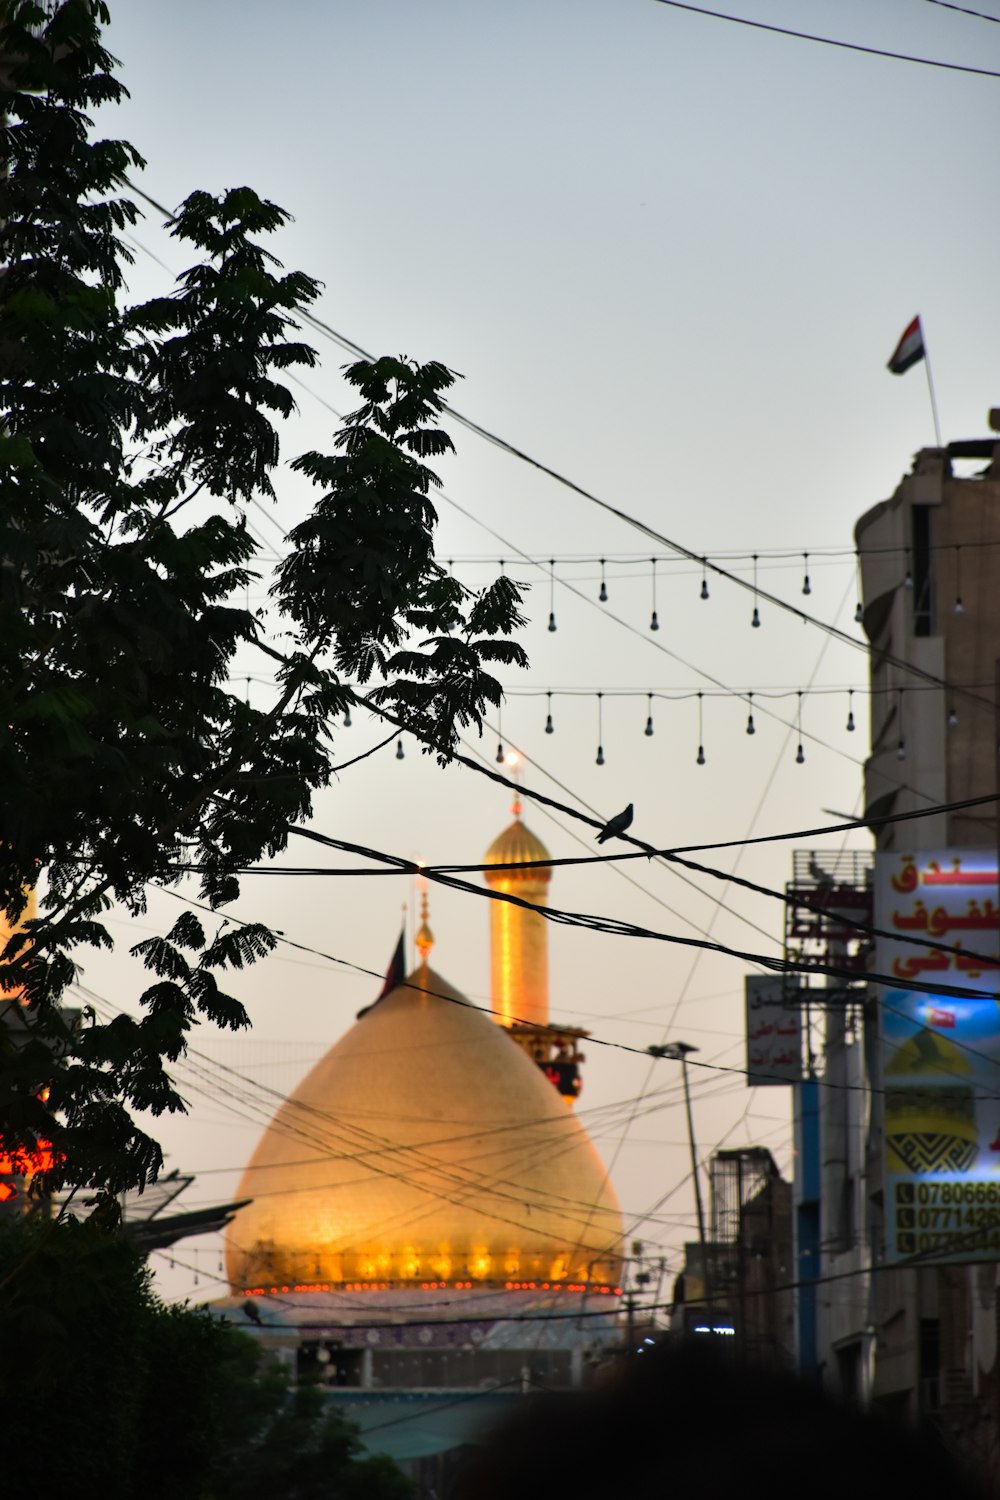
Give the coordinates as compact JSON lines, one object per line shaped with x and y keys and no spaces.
{"x":923,"y":580}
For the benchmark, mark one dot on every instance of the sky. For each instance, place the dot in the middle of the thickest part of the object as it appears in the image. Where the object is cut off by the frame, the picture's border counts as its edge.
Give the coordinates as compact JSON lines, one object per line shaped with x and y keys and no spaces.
{"x":669,"y":256}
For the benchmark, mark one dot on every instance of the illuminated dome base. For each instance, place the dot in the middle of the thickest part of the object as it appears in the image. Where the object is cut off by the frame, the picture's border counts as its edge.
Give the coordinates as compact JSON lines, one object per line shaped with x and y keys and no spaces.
{"x":424,"y":1147}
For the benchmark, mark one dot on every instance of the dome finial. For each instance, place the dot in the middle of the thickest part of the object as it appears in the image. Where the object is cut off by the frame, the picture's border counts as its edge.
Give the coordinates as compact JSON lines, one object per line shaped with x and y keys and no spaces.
{"x":513,"y":763}
{"x":425,"y":938}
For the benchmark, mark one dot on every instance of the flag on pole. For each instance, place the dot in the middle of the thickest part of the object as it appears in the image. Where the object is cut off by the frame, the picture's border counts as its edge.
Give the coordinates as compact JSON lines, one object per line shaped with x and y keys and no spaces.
{"x":394,"y":974}
{"x":910,"y":349}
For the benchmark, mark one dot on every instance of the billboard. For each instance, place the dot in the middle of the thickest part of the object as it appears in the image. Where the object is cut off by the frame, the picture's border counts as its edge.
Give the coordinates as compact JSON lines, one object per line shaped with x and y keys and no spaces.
{"x":940,"y":1054}
{"x":773,"y":1029}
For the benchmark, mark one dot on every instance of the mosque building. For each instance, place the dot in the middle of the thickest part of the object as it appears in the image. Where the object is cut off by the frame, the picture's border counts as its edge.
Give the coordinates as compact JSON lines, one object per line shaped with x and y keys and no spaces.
{"x":430,"y":1231}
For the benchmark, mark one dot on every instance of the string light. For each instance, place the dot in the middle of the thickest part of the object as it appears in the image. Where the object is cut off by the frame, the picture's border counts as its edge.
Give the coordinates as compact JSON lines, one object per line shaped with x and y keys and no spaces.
{"x":603,"y":595}
{"x":552,"y":593}
{"x":649,"y":714}
{"x":347,"y":718}
{"x":859,"y":609}
{"x":600,"y":729}
{"x":751,"y":727}
{"x":959,"y":606}
{"x":800,"y":754}
{"x":700,"y":758}
{"x":500,"y":733}
{"x":901,"y":745}
{"x":952,"y":717}
{"x":755,"y":621}
{"x":908,"y":576}
{"x":850,"y":710}
{"x":654,"y":623}
{"x":704,"y":578}
{"x":399,"y":748}
{"x":806,"y":585}
{"x":549,"y":726}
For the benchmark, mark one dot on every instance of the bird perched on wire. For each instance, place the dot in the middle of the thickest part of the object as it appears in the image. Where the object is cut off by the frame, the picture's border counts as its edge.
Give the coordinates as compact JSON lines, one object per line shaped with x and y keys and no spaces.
{"x":250,"y":1309}
{"x":616,"y":825}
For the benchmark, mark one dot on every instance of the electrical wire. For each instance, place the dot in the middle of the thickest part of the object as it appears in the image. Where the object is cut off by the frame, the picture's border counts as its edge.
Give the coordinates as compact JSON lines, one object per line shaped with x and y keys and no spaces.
{"x":633,"y":521}
{"x":828,"y":41}
{"x":981,"y":15}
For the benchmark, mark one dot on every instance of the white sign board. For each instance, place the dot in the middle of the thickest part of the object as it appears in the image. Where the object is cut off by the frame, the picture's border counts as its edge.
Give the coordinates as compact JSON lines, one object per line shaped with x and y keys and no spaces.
{"x":774,"y":1030}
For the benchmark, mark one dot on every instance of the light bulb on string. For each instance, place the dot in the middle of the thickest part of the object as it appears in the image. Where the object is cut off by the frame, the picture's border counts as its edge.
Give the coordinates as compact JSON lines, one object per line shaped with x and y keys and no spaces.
{"x":600,"y":729}
{"x":552,"y":593}
{"x":908,"y":575}
{"x":952,"y":717}
{"x":751,"y":727}
{"x":704,"y":578}
{"x":806,"y":585}
{"x":649,"y":714}
{"x":755,"y":620}
{"x":549,"y":726}
{"x":347,"y":718}
{"x":959,"y":606}
{"x":850,"y":711}
{"x":901,"y":743}
{"x":800,"y":754}
{"x":499,"y":756}
{"x":700,"y":757}
{"x":654,"y":623}
{"x":399,"y":748}
{"x":603,"y":595}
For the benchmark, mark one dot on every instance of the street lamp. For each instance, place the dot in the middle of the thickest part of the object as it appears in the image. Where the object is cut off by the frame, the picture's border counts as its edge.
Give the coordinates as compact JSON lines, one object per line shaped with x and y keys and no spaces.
{"x":678,"y":1052}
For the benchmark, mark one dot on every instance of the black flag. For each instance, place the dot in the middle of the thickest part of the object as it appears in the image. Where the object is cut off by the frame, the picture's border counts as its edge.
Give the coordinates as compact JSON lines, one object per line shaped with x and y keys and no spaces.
{"x":394,"y":974}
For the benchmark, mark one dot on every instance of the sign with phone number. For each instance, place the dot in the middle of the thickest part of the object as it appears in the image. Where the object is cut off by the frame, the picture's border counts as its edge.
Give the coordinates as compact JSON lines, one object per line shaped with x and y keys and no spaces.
{"x":941,"y":1053}
{"x":953,"y":1217}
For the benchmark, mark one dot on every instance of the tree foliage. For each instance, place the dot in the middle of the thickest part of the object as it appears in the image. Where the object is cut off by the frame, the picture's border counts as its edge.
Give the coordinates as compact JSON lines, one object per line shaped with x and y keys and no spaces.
{"x":133,"y":437}
{"x":152,"y":1401}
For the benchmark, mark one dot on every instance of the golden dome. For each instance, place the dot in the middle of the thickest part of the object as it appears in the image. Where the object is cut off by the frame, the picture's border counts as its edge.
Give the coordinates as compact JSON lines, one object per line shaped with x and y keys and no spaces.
{"x":425,"y":1144}
{"x":516,"y":845}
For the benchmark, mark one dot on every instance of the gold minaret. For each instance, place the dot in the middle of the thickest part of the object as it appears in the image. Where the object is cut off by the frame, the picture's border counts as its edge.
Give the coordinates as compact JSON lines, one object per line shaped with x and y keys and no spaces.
{"x":519,"y":942}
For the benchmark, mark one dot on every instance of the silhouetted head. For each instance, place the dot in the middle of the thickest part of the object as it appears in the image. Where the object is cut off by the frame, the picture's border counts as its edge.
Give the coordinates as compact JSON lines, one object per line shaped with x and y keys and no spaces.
{"x":689,"y":1421}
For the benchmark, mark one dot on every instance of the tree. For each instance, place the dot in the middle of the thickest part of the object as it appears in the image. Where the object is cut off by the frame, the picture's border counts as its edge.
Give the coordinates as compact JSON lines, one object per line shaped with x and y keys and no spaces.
{"x":132,"y":440}
{"x":152,"y":1400}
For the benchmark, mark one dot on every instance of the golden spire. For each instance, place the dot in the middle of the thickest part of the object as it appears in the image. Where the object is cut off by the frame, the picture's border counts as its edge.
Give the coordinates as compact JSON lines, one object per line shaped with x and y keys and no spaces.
{"x":518,"y":936}
{"x":425,"y":938}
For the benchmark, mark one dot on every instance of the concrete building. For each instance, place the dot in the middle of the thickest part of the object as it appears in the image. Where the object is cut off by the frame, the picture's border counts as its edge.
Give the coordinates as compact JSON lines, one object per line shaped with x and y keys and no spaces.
{"x":915,"y":1338}
{"x":738,"y":1285}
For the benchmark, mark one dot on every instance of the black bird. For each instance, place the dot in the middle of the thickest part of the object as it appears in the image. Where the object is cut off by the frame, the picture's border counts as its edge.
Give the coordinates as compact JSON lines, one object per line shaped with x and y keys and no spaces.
{"x":616,"y":825}
{"x":251,"y":1311}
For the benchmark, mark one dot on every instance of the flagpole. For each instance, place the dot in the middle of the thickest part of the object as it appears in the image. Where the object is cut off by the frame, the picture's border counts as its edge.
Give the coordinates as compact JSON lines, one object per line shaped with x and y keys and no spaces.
{"x":930,"y":390}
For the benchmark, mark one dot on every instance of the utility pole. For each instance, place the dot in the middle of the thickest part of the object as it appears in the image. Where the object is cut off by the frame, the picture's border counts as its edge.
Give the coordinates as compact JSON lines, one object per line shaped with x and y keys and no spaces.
{"x":678,"y":1052}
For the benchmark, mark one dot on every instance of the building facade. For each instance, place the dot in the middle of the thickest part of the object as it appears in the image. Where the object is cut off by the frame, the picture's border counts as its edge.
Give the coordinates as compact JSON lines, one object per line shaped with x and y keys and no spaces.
{"x":902,"y":1313}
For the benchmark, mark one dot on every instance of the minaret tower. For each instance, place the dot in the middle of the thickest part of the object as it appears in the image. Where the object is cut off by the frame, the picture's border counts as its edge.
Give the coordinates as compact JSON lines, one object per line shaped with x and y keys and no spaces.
{"x":519,"y":942}
{"x":519,"y":956}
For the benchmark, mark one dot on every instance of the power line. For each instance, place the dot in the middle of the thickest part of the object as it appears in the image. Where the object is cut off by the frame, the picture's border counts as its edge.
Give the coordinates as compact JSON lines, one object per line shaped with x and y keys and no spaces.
{"x":633,"y":521}
{"x":643,"y":851}
{"x":620,"y":927}
{"x":592,"y":1039}
{"x":981,"y":15}
{"x":827,"y":41}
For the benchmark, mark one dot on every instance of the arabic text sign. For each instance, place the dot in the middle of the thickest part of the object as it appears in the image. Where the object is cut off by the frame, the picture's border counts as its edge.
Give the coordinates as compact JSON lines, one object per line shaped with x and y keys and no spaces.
{"x":774,"y":1030}
{"x":941,"y":1055}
